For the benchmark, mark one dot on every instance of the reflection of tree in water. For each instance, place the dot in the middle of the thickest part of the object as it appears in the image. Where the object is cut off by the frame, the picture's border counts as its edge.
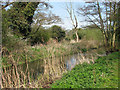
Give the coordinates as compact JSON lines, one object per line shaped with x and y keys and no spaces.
{"x":35,"y":68}
{"x":71,"y":63}
{"x":49,"y":70}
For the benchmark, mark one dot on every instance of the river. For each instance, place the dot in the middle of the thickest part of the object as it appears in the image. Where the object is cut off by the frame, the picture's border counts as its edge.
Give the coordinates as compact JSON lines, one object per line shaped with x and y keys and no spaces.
{"x":59,"y":64}
{"x":52,"y":67}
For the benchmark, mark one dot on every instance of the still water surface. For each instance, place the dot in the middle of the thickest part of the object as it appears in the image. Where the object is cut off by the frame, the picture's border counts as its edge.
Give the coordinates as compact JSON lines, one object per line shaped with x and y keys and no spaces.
{"x":55,"y":65}
{"x":36,"y":68}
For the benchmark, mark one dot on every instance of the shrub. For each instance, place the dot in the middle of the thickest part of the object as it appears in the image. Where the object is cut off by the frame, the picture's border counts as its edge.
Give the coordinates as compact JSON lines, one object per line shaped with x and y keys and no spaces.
{"x":42,"y":36}
{"x":84,"y":50}
{"x":67,"y":38}
{"x":80,"y":35}
{"x":57,"y":33}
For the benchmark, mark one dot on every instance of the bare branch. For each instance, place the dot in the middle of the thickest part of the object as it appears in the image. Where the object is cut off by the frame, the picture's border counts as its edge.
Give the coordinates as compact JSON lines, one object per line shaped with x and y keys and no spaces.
{"x":7,"y":5}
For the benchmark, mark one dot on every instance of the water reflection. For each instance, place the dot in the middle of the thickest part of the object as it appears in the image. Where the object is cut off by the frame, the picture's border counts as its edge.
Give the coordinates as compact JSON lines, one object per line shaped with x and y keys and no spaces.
{"x":54,"y":66}
{"x":70,"y":63}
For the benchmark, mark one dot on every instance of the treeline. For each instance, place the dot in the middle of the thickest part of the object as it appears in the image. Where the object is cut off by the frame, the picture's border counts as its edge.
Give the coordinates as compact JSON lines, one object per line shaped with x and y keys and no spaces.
{"x":106,"y":17}
{"x":25,"y":20}
{"x":43,"y":35}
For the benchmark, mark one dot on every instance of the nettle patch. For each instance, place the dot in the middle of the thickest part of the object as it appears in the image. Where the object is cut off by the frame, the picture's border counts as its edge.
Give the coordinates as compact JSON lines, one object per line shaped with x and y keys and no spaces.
{"x":102,"y":74}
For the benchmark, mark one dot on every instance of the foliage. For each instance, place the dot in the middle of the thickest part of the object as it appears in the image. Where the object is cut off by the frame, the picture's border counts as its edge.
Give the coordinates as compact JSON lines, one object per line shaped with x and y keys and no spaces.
{"x":80,"y":35}
{"x":57,"y":33}
{"x":84,"y":50}
{"x":41,"y":36}
{"x":13,"y":43}
{"x":20,"y":16}
{"x":91,"y":34}
{"x":102,"y":74}
{"x":118,"y":25}
{"x":5,"y":23}
{"x":9,"y":41}
{"x":86,"y":34}
{"x":103,"y":15}
{"x":67,"y":38}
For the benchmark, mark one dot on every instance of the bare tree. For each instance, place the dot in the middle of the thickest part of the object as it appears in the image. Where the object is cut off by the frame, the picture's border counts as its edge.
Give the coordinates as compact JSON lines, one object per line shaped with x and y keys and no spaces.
{"x":118,"y":24}
{"x":42,"y":18}
{"x":73,"y":18}
{"x":103,"y":16}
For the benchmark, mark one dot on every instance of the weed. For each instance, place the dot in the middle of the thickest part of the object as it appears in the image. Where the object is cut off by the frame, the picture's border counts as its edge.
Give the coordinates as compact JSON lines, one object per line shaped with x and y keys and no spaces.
{"x":102,"y":74}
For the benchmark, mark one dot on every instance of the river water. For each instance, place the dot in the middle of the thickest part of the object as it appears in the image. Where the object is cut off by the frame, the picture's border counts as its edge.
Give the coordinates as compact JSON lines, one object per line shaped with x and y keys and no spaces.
{"x":55,"y":66}
{"x":60,"y":64}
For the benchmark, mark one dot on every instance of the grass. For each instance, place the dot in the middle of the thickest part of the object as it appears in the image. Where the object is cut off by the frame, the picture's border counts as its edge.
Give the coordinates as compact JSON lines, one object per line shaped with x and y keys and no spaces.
{"x":87,"y":34}
{"x":15,"y":54}
{"x":13,"y":45}
{"x":92,"y":34}
{"x":39,"y":52}
{"x":102,"y":74}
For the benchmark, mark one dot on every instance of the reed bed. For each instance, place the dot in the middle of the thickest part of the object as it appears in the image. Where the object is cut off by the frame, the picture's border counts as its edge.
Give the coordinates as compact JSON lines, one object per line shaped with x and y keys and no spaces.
{"x":14,"y":76}
{"x":53,"y":70}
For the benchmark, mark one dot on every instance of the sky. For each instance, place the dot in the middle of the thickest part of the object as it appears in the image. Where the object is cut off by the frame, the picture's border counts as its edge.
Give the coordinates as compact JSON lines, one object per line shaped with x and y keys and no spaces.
{"x":59,"y":9}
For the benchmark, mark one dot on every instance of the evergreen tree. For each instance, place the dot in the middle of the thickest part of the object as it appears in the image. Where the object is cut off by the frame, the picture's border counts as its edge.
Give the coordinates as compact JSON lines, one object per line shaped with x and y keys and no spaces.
{"x":21,"y":17}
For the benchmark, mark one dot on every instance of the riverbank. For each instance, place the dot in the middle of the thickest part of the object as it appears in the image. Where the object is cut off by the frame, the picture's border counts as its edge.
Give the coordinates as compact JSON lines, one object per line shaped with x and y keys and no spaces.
{"x":41,"y":52}
{"x":50,"y":57}
{"x":101,"y":74}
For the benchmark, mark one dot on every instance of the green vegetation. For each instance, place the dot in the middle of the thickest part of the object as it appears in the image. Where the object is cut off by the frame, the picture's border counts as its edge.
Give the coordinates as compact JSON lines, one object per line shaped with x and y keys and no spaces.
{"x":91,"y":34}
{"x":42,"y":36}
{"x":39,"y":52}
{"x":26,"y":38}
{"x":57,"y":33}
{"x":102,"y":74}
{"x":22,"y":17}
{"x":86,"y":34}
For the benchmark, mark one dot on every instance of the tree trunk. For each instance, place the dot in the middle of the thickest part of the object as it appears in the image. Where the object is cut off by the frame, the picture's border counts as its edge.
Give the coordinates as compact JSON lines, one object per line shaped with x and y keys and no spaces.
{"x":77,"y":38}
{"x":106,"y":42}
{"x":113,"y":38}
{"x":114,"y":28}
{"x":113,"y":42}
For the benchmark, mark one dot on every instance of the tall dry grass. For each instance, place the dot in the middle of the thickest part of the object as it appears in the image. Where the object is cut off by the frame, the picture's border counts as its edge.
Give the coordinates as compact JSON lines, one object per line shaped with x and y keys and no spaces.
{"x":54,"y":68}
{"x":13,"y":76}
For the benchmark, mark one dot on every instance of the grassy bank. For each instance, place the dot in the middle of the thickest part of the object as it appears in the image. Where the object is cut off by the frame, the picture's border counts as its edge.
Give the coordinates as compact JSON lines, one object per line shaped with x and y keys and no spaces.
{"x":102,"y":74}
{"x":41,"y":52}
{"x":50,"y":55}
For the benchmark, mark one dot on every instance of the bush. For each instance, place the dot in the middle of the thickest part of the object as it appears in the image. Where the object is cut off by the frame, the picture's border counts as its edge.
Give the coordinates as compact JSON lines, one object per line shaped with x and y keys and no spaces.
{"x":42,"y":36}
{"x":57,"y":33}
{"x":80,"y":35}
{"x":67,"y":38}
{"x":84,"y":50}
{"x":12,"y":42}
